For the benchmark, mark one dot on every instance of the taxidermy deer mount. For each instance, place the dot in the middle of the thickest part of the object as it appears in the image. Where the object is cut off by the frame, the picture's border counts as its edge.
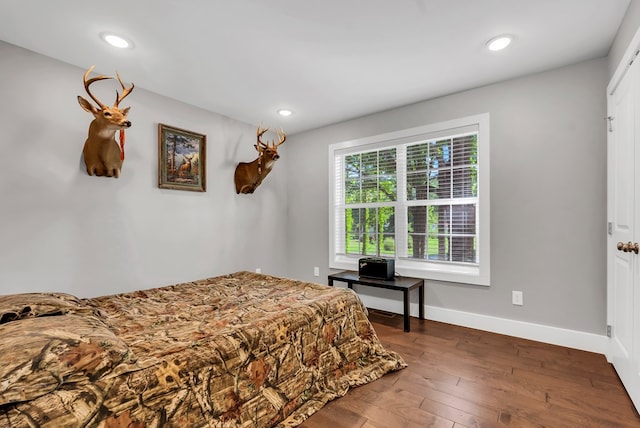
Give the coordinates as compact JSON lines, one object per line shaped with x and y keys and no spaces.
{"x":102,"y":155}
{"x":249,"y":175}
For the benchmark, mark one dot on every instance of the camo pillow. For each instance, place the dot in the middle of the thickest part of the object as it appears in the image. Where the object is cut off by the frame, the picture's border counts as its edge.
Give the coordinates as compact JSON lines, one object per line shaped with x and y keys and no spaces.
{"x":15,"y":307}
{"x":39,"y":354}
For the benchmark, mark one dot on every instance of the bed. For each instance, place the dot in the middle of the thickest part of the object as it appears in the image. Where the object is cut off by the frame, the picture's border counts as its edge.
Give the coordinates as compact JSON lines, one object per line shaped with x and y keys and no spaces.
{"x":239,"y":350}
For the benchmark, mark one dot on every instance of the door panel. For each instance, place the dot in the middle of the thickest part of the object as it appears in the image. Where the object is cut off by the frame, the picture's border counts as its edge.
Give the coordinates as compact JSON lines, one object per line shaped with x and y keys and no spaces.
{"x":623,"y":320}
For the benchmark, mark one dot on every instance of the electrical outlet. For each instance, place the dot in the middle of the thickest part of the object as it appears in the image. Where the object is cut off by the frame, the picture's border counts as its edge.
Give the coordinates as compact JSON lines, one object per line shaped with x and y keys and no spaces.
{"x":258,"y":270}
{"x":316,"y":271}
{"x":517,"y":298}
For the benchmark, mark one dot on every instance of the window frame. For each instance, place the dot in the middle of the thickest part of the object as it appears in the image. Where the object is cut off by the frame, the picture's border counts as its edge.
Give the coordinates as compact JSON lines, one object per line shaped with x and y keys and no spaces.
{"x":476,"y":274}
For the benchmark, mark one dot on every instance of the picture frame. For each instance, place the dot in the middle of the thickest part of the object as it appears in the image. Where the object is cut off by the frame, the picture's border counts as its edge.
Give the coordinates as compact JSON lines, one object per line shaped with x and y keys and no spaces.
{"x":181,"y":159}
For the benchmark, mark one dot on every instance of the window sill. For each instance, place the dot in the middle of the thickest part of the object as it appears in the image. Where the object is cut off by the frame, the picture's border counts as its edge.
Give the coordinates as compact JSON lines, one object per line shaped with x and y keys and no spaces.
{"x":458,"y":273}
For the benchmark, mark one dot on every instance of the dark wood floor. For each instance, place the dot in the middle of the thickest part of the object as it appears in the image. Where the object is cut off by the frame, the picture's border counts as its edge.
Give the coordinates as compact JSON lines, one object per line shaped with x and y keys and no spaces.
{"x":459,"y":377}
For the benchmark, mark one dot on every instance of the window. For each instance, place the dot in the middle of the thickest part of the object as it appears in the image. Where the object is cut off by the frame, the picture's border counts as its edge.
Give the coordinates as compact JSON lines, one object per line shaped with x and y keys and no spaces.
{"x":420,"y":196}
{"x":370,"y":189}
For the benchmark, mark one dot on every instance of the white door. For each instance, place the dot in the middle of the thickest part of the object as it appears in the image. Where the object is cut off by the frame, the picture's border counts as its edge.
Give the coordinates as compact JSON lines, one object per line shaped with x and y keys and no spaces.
{"x":623,"y":206}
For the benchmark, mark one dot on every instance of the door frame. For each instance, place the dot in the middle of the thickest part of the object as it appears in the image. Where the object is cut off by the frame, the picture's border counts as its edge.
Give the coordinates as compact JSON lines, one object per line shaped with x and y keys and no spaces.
{"x":613,"y":349}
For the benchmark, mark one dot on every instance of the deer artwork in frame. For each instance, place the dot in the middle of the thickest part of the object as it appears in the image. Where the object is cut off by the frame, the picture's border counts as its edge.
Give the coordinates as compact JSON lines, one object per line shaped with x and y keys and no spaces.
{"x":249,"y":175}
{"x":181,"y":159}
{"x":102,"y":154}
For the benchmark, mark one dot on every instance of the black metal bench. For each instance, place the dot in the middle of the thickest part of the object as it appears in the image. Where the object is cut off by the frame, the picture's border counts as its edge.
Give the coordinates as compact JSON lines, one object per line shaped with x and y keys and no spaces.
{"x":399,"y":283}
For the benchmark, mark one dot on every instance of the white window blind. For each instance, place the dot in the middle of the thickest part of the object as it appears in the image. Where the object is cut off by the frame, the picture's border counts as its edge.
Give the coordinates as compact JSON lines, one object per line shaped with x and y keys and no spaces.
{"x":414,"y":196}
{"x":442,"y":188}
{"x":369,"y":185}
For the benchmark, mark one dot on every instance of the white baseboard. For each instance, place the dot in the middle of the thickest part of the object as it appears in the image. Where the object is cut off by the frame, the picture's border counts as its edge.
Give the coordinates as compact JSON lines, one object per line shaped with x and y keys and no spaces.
{"x":525,"y":330}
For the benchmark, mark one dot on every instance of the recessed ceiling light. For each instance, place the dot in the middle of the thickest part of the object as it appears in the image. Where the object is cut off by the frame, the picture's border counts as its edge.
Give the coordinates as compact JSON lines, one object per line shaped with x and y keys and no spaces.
{"x":285,"y":112}
{"x":116,"y":41}
{"x":500,"y":42}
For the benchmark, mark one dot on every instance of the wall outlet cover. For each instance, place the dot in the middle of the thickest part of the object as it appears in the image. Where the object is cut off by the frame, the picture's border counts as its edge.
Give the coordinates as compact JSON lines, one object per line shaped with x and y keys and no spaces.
{"x":517,"y":298}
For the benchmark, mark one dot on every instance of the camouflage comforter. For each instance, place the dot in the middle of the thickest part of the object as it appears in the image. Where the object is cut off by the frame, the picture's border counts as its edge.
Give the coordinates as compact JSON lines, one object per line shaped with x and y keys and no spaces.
{"x":241,"y":350}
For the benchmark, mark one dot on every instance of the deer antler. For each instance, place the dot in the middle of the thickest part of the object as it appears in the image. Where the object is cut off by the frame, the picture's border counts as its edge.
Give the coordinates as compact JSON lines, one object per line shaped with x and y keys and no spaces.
{"x":281,"y":137}
{"x":125,"y":91}
{"x":270,"y":144}
{"x":259,"y":135}
{"x":87,"y":83}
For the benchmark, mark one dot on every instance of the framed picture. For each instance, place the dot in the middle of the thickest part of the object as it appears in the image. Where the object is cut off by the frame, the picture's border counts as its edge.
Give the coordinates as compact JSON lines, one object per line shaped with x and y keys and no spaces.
{"x":181,"y":159}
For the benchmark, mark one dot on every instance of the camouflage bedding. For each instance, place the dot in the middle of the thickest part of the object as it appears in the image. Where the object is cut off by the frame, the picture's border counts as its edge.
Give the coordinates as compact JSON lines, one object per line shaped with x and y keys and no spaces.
{"x":240,"y":350}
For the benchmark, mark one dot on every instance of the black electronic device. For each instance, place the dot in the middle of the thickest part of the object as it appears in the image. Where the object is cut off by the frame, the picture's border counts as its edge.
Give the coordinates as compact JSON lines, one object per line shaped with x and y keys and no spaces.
{"x":377,"y":268}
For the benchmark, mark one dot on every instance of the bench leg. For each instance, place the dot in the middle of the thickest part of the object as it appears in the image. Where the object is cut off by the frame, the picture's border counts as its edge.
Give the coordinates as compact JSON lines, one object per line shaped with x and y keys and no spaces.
{"x":421,"y":300}
{"x":407,"y":324}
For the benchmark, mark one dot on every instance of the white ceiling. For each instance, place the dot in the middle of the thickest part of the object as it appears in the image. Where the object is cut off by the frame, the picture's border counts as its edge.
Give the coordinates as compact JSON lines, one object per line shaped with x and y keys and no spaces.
{"x":327,"y":60}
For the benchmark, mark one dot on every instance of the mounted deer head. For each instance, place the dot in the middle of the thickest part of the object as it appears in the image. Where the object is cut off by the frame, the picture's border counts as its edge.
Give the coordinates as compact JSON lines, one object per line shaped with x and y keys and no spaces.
{"x":248,"y":176}
{"x":102,"y":155}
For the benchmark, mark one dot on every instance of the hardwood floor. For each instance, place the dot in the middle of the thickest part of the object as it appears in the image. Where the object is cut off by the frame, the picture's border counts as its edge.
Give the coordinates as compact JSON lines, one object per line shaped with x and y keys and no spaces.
{"x":460,"y":377}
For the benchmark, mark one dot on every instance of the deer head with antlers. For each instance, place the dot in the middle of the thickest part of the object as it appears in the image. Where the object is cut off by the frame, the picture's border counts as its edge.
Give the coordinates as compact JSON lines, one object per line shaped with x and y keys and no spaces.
{"x":249,"y":175}
{"x":102,"y":155}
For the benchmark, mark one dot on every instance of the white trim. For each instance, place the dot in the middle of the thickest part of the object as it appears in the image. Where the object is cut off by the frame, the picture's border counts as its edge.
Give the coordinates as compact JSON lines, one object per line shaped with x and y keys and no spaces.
{"x":541,"y":333}
{"x":625,"y":62}
{"x":460,"y":125}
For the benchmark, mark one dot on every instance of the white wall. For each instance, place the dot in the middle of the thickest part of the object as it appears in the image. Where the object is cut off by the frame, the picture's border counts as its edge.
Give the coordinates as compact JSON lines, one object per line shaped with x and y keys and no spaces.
{"x":63,"y":230}
{"x":548,"y":207}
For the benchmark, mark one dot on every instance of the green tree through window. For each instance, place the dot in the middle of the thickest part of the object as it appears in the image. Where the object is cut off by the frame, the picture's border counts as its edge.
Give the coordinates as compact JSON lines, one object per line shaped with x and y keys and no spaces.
{"x":370,"y":186}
